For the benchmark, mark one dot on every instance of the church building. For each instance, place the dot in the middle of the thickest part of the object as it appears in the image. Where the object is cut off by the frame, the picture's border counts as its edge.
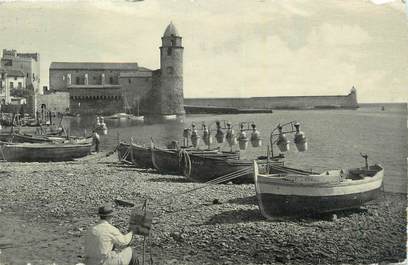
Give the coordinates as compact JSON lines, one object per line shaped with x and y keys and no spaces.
{"x":107,"y":88}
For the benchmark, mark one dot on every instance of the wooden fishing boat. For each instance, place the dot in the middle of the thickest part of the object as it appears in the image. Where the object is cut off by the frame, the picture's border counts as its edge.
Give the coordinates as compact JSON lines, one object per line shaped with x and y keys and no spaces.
{"x":173,"y":161}
{"x":204,"y":169}
{"x":43,"y":152}
{"x":297,"y":193}
{"x":27,"y":138}
{"x":138,"y":155}
{"x":21,"y":138}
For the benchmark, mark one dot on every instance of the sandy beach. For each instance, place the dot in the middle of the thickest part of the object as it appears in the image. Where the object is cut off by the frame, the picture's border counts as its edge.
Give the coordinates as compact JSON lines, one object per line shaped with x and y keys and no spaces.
{"x":47,"y":207}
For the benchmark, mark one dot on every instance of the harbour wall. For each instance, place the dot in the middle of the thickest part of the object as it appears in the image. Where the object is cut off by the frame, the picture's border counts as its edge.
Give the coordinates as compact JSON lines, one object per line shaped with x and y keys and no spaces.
{"x":291,"y":102}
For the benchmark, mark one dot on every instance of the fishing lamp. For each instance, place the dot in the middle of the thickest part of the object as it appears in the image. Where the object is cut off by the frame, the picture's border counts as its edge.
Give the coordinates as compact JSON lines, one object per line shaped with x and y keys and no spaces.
{"x":283,"y":142}
{"x":256,"y":140}
{"x":230,"y":135}
{"x":206,"y":136}
{"x":219,"y":136}
{"x":300,"y":139}
{"x":195,"y":138}
{"x":243,"y":139}
{"x":186,"y":135}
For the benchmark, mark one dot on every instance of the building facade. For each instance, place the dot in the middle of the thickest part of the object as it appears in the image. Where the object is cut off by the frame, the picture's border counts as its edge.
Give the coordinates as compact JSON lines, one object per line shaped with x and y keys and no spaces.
{"x":27,"y":63}
{"x":92,"y":87}
{"x":12,"y":86}
{"x":107,"y":88}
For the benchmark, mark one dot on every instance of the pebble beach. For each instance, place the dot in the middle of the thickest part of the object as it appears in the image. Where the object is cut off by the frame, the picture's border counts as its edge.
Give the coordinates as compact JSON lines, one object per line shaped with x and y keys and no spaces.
{"x":46,"y":209}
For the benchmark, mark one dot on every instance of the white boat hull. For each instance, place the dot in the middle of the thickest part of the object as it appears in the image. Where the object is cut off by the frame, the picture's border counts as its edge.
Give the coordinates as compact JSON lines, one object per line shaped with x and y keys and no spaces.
{"x":298,"y":195}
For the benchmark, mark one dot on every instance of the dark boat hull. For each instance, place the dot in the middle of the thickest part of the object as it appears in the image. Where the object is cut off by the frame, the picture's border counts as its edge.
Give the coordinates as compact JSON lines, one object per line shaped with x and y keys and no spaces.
{"x":301,"y":205}
{"x":204,"y":169}
{"x":168,"y":162}
{"x":30,"y":152}
{"x":138,"y":155}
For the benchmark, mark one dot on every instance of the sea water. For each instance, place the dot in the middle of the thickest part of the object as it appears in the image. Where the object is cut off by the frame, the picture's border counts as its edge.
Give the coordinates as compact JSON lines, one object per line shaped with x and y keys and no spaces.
{"x":335,"y":137}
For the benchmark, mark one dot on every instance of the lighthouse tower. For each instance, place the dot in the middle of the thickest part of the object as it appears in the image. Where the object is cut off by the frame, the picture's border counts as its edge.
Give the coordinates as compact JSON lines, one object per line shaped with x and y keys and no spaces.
{"x":171,"y":73}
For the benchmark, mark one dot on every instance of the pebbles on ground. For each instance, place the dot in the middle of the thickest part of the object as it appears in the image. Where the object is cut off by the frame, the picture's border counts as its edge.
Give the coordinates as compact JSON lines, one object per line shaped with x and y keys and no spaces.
{"x":219,"y":224}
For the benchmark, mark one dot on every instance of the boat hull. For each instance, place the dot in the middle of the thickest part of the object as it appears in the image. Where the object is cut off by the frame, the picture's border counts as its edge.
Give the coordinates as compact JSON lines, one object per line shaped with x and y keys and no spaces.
{"x":31,"y":152}
{"x":138,"y":155}
{"x":168,"y":161}
{"x":275,"y":204}
{"x":311,"y":194}
{"x":204,"y":169}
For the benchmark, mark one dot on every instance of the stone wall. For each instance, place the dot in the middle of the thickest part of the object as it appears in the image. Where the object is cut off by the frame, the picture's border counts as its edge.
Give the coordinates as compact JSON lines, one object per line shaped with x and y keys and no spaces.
{"x":55,"y":102}
{"x":104,"y":100}
{"x":295,"y":102}
{"x":151,"y":103}
{"x":135,"y":90}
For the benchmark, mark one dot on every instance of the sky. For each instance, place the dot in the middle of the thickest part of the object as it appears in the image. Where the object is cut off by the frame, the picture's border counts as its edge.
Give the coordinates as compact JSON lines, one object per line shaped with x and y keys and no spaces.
{"x":231,"y":48}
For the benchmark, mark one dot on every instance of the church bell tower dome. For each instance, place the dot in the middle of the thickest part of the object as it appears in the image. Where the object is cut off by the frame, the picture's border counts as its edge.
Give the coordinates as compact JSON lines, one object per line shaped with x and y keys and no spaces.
{"x":171,"y":31}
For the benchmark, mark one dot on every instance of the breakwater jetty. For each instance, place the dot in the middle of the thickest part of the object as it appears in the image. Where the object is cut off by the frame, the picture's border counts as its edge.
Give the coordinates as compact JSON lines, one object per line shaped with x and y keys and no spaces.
{"x":221,"y":110}
{"x":289,"y":102}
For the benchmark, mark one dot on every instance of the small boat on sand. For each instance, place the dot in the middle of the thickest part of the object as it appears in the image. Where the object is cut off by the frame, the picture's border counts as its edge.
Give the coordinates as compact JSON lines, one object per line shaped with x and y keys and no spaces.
{"x":43,"y":152}
{"x":297,"y":193}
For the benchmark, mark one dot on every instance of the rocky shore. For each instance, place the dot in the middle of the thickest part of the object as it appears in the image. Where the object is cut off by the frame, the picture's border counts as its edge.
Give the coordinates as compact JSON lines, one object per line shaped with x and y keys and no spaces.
{"x":47,"y":207}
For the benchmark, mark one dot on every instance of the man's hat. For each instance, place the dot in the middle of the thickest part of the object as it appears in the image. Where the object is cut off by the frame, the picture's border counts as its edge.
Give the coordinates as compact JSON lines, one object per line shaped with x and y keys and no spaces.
{"x":105,"y":210}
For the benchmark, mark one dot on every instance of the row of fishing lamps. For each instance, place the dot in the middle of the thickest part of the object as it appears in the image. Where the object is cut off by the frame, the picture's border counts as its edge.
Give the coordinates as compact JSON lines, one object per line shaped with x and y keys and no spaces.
{"x":242,"y":139}
{"x":222,"y":136}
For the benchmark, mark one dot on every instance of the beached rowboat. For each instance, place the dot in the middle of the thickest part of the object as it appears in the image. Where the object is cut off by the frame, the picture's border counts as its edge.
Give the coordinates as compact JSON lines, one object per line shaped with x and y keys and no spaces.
{"x":297,"y":194}
{"x":42,"y":152}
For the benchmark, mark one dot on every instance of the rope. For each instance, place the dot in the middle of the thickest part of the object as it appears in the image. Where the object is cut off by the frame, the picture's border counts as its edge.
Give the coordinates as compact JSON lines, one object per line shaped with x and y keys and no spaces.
{"x":184,"y":162}
{"x":224,"y":178}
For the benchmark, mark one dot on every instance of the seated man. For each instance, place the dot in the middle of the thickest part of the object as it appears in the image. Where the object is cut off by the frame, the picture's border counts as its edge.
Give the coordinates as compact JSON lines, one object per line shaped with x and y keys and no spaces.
{"x":103,"y":237}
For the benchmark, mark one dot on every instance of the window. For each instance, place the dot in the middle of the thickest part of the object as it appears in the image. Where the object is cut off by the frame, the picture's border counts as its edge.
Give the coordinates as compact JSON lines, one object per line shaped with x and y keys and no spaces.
{"x":111,"y":80}
{"x":20,"y":85}
{"x":33,"y":76}
{"x":173,"y":43}
{"x":78,"y":80}
{"x":11,"y":85}
{"x":130,"y":81}
{"x":169,"y":51}
{"x":170,"y":70}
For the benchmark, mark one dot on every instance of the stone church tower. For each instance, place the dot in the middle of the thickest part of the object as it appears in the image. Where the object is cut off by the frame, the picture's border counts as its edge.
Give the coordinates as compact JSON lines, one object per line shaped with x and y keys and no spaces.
{"x":171,"y":73}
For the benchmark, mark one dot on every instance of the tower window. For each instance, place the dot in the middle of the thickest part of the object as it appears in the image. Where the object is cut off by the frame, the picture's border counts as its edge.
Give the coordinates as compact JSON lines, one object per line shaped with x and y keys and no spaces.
{"x":170,"y":70}
{"x":111,"y":80}
{"x":169,"y":50}
{"x":173,"y":43}
{"x":130,"y":81}
{"x":78,"y":80}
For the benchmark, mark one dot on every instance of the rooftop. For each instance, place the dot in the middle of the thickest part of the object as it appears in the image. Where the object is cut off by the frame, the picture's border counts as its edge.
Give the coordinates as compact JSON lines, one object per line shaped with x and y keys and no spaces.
{"x":136,"y":74}
{"x":93,"y":66}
